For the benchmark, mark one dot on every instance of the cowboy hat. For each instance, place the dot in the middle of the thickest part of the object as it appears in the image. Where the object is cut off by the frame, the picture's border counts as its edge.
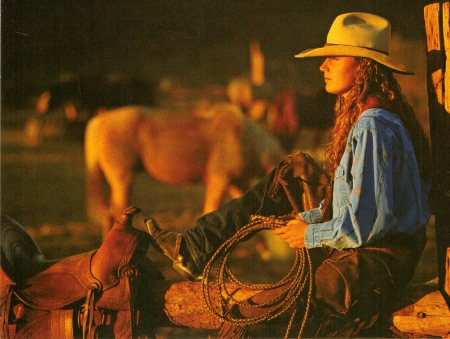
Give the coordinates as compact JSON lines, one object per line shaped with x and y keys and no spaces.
{"x":360,"y":35}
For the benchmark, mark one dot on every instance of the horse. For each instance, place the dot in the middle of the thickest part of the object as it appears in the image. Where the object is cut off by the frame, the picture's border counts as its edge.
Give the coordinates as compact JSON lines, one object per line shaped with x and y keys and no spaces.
{"x":293,"y":112}
{"x":287,"y":113}
{"x":216,"y":145}
{"x":64,"y":107}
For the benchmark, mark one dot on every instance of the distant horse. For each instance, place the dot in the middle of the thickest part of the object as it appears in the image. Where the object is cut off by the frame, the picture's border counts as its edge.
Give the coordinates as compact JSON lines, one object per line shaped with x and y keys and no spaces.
{"x":91,"y":93}
{"x":64,"y":107}
{"x":286,"y":113}
{"x":217,"y":146}
{"x":292,"y":111}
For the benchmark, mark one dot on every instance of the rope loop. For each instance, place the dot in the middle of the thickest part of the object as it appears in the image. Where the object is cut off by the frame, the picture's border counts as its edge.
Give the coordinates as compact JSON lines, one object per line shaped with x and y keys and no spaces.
{"x":297,"y":280}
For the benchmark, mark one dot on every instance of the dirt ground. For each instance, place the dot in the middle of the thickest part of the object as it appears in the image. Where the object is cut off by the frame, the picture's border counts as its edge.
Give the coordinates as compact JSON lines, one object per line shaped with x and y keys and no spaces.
{"x":43,"y":188}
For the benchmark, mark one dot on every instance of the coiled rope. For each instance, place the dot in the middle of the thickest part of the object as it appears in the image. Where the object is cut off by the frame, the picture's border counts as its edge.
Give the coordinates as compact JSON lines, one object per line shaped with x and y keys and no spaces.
{"x":296,"y":280}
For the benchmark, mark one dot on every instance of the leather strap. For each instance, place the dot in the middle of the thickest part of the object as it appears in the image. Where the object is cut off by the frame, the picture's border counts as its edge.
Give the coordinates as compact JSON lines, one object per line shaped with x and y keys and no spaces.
{"x":4,"y":312}
{"x":61,"y":324}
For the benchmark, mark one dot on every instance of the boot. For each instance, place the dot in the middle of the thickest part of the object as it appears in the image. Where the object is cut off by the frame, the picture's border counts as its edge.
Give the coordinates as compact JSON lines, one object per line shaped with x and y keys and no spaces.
{"x":171,"y":245}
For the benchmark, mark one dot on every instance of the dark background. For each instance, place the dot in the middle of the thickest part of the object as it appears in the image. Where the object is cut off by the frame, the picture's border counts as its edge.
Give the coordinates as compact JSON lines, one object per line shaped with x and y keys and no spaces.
{"x":194,"y":42}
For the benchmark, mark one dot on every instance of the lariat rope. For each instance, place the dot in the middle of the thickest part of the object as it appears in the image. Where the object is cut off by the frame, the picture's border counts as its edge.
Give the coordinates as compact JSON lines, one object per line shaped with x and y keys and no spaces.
{"x":296,"y":280}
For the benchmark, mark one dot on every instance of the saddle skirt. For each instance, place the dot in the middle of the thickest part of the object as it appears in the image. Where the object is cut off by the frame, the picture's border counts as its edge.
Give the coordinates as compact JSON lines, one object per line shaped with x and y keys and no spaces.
{"x":92,"y":294}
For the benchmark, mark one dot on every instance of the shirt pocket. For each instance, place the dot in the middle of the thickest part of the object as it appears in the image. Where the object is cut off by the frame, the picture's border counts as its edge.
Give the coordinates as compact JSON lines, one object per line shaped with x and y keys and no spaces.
{"x":339,"y":172}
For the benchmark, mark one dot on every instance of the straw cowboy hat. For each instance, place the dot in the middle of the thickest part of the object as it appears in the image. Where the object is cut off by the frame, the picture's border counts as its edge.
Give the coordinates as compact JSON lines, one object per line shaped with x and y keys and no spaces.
{"x":359,"y":35}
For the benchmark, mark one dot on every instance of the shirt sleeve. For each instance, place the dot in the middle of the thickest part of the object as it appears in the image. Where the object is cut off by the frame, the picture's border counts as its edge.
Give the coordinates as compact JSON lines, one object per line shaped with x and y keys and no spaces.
{"x":362,"y":195}
{"x":314,"y":215}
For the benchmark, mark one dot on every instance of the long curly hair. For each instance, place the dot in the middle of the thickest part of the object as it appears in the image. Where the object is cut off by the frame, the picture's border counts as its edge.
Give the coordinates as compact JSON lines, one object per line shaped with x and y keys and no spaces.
{"x":376,"y":82}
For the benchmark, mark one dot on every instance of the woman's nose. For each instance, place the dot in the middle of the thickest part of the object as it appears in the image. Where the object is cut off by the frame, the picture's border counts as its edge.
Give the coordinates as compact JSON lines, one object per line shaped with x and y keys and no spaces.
{"x":324,"y":66}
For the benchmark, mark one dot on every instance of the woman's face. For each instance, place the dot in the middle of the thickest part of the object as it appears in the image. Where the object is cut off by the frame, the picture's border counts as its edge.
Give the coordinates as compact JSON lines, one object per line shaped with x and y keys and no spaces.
{"x":340,"y":74}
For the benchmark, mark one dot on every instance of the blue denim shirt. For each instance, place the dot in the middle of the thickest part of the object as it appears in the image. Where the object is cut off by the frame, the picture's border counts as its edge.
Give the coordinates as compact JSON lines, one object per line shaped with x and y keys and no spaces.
{"x":377,"y":189}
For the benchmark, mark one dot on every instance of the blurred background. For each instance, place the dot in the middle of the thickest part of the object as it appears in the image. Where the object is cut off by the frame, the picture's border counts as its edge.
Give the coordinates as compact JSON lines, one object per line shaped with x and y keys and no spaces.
{"x":160,"y":53}
{"x":186,"y":42}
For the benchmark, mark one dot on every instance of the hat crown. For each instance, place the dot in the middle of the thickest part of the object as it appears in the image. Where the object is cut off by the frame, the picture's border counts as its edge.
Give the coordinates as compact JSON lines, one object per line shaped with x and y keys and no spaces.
{"x":361,"y":30}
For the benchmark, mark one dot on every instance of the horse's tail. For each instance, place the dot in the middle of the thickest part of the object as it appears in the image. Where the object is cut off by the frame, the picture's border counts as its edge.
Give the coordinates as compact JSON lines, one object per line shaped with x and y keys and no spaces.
{"x":97,"y":207}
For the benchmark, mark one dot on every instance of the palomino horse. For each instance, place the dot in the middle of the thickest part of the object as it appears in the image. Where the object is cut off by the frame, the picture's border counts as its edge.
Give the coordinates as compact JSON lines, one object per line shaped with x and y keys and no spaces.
{"x":218,"y":146}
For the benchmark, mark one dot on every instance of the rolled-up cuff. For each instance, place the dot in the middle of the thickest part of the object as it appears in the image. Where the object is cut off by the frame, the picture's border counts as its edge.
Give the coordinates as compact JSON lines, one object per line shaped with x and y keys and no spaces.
{"x":310,"y":240}
{"x":313,"y":216}
{"x":315,"y":237}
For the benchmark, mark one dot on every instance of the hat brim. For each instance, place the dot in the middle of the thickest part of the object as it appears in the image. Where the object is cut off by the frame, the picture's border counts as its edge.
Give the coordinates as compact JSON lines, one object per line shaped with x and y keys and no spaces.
{"x":343,"y":50}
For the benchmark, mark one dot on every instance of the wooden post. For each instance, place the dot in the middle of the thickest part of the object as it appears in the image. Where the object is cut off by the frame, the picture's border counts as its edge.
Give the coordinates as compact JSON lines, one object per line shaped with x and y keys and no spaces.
{"x":437,"y":26}
{"x":256,"y":65}
{"x":447,"y":273}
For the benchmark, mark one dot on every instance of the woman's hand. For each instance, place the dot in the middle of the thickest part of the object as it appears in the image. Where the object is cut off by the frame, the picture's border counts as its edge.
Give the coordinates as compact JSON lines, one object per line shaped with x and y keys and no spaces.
{"x":293,"y":233}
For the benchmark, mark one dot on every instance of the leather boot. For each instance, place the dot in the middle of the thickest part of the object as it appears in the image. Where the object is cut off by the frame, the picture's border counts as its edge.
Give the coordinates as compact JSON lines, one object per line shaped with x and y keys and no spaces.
{"x":171,"y":245}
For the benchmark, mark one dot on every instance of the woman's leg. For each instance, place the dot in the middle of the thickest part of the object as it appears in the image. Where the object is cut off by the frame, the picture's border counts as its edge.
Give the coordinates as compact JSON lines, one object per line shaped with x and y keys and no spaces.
{"x":355,"y":288}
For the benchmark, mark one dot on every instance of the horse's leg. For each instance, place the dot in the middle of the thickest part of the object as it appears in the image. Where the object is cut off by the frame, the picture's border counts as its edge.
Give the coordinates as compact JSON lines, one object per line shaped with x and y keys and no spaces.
{"x":216,"y":188}
{"x":120,"y":188}
{"x":224,"y":163}
{"x":235,"y":192}
{"x":97,"y":206}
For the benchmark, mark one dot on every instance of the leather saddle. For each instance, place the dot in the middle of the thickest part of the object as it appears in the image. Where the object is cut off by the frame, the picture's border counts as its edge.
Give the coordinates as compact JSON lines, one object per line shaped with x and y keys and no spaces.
{"x":88,"y":295}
